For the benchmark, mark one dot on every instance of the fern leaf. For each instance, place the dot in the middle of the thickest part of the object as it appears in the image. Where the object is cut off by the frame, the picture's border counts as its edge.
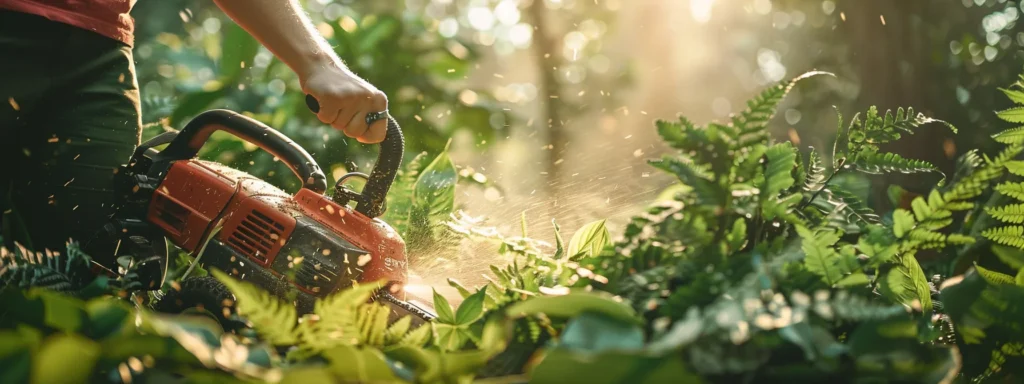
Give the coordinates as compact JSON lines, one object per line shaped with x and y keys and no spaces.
{"x":873,"y":162}
{"x":373,"y":324}
{"x":993,"y":277}
{"x":1010,"y":136}
{"x":1013,"y":213}
{"x":907,"y":284}
{"x":1013,"y":115}
{"x":417,"y":337}
{"x":779,"y":173}
{"x":1016,"y":96}
{"x":694,"y":176}
{"x":1014,"y":190}
{"x":398,"y":330}
{"x":1012,"y":236}
{"x":1015,"y":167}
{"x":820,"y":257}
{"x":272,"y":318}
{"x":902,"y":222}
{"x":816,"y":177}
{"x":751,"y":123}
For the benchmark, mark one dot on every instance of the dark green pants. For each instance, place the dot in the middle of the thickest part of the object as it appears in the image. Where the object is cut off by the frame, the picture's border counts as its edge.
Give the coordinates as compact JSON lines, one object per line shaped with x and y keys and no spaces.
{"x":69,"y":116}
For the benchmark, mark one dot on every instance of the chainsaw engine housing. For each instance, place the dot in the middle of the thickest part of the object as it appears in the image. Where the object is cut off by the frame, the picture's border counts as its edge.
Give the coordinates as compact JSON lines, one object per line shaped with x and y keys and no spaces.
{"x":299,"y":247}
{"x":268,"y":237}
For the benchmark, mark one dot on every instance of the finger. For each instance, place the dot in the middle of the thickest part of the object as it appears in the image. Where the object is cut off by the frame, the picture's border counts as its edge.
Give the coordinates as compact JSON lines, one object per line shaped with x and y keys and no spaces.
{"x":357,"y":125}
{"x":344,"y":122}
{"x":379,"y":102}
{"x":376,"y":133}
{"x":328,"y":113}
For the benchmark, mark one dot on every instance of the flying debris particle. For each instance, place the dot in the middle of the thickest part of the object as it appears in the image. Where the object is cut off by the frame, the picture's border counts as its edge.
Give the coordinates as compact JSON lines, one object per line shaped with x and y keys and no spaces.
{"x":69,"y":181}
{"x":559,"y":161}
{"x":451,"y":70}
{"x":363,"y":260}
{"x":14,"y":104}
{"x":645,"y":174}
{"x":499,"y":76}
{"x":882,"y":17}
{"x":417,"y":117}
{"x":638,"y":153}
{"x":241,"y":64}
{"x":581,"y":93}
{"x":643,"y":112}
{"x":120,"y":79}
{"x":52,"y":140}
{"x":628,"y":136}
{"x":326,"y":252}
{"x":842,"y":15}
{"x":329,"y":208}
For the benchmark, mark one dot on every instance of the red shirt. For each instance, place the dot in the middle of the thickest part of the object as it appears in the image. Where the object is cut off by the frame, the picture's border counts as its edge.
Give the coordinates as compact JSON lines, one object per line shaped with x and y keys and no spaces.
{"x":107,"y":17}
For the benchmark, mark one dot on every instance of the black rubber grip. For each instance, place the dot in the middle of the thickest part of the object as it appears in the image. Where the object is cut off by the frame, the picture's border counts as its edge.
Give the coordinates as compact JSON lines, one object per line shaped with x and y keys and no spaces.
{"x":389,"y":160}
{"x":191,"y":138}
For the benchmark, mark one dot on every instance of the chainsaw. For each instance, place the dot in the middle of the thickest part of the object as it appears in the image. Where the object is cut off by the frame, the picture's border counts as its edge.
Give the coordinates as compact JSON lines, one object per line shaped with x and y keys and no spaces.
{"x":301,"y":246}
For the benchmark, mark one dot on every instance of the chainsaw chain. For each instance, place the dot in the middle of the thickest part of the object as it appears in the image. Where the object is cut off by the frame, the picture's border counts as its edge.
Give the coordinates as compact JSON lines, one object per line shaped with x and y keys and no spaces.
{"x":384,"y":296}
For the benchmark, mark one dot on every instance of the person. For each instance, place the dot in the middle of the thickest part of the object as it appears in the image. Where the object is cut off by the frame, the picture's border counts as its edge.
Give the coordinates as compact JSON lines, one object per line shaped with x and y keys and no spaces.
{"x":70,"y":112}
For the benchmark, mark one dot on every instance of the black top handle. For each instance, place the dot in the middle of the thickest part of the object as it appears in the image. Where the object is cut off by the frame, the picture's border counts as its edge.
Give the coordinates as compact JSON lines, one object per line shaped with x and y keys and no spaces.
{"x":190,"y":139}
{"x":389,"y":160}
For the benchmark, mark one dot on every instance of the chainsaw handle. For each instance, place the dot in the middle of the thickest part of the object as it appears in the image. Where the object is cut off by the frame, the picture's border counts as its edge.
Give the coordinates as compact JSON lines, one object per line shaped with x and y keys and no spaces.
{"x":191,"y":138}
{"x":392,"y":151}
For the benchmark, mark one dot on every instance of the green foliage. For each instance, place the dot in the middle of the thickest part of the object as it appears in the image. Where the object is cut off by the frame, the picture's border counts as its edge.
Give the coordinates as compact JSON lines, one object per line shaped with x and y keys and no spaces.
{"x":763,"y":268}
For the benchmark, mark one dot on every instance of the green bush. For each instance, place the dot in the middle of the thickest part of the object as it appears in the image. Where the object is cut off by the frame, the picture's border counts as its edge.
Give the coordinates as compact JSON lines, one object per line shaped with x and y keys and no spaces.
{"x":760,"y":268}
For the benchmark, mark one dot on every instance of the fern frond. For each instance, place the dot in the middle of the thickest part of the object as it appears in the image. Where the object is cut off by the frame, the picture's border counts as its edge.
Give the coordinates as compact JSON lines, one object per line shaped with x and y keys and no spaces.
{"x":750,"y":124}
{"x":1012,"y":236}
{"x":873,"y":162}
{"x":1013,"y":115}
{"x":1010,"y":136}
{"x":1014,"y":190}
{"x":1013,"y":213}
{"x":272,"y":318}
{"x":779,"y":171}
{"x":816,"y":177}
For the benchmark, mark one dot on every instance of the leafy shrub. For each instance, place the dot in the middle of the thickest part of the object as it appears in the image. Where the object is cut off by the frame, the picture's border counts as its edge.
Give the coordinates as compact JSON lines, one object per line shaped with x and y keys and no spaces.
{"x":760,"y":268}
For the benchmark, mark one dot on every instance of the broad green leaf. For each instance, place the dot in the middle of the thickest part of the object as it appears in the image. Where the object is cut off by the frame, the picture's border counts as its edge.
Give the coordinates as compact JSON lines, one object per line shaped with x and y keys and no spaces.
{"x":856,"y":279}
{"x":434,"y":192}
{"x":574,"y":304}
{"x":559,"y":365}
{"x":1019,"y":279}
{"x":65,"y":358}
{"x":595,"y":332}
{"x":450,"y":337}
{"x":16,"y":350}
{"x":993,"y":277}
{"x":589,"y":240}
{"x":444,"y":310}
{"x":359,"y":365}
{"x":472,"y":308}
{"x":194,"y":103}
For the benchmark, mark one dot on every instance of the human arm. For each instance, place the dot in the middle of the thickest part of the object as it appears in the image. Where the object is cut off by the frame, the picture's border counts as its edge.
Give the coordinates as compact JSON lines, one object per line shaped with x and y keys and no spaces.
{"x":284,"y":28}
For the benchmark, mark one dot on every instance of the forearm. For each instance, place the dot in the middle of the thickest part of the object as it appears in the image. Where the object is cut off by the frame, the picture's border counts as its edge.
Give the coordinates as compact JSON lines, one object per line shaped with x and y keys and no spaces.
{"x":283,"y":27}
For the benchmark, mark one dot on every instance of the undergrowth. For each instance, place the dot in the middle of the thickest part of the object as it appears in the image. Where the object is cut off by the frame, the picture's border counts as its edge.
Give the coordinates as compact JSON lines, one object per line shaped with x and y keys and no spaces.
{"x":760,"y":268}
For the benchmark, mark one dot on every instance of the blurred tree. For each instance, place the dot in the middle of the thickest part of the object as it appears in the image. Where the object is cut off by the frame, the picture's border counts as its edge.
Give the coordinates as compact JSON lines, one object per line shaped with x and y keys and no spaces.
{"x":565,"y":40}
